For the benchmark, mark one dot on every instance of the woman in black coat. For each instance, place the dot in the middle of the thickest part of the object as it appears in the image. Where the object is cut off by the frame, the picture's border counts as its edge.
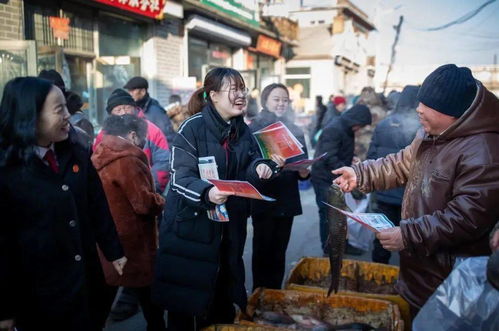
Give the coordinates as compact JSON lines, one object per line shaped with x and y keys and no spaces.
{"x":272,"y":221}
{"x":54,"y":212}
{"x":200,"y":270}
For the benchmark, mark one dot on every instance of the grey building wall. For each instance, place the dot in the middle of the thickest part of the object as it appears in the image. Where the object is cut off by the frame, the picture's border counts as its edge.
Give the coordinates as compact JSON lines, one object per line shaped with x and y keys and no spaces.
{"x":11,"y":20}
{"x":167,"y":46}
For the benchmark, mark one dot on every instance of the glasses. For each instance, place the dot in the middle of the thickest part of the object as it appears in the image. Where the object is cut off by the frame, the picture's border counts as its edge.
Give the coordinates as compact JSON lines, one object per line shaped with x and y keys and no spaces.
{"x":235,"y":91}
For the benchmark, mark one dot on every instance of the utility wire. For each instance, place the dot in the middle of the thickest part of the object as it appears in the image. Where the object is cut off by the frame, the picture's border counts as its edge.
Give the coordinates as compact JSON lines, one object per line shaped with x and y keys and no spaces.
{"x":462,"y":19}
{"x":394,"y":51}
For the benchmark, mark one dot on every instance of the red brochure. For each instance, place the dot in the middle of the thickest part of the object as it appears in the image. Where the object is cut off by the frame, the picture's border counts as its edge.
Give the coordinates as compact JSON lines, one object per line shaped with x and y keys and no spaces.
{"x":277,"y":139}
{"x":239,"y":188}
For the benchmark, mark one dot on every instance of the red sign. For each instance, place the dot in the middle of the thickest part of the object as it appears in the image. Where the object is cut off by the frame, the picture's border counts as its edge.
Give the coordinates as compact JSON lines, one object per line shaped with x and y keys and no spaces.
{"x":268,"y":46}
{"x":149,"y":8}
{"x":60,"y":27}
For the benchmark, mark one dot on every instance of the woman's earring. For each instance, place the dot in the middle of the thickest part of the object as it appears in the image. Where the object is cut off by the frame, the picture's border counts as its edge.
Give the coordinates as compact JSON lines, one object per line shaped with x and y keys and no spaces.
{"x":205,"y":96}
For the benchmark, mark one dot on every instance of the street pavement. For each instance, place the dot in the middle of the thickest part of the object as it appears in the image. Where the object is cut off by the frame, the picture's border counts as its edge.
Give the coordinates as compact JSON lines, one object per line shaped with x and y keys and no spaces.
{"x":304,"y":242}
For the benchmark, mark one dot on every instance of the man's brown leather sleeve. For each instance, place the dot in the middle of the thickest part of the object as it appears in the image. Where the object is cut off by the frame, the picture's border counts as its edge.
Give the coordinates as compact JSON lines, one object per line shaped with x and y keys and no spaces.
{"x":385,"y":173}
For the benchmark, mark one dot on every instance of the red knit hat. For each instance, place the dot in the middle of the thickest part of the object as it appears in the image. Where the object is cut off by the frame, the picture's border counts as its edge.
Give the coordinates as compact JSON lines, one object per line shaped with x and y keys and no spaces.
{"x":339,"y":100}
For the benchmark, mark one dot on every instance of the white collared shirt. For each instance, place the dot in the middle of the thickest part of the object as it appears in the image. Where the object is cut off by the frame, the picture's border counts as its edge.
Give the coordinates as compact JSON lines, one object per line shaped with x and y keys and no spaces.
{"x":41,"y":151}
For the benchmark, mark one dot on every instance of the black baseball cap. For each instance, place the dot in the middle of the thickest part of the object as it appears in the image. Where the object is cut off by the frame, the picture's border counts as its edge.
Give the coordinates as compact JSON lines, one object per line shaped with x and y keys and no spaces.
{"x":136,"y":82}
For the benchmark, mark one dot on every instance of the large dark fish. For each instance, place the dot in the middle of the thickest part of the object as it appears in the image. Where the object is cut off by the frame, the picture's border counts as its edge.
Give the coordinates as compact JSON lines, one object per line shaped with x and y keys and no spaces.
{"x":337,"y":223}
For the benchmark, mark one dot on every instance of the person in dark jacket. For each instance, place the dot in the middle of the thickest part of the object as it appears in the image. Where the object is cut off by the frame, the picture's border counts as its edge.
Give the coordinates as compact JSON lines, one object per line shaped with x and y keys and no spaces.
{"x":137,"y":87}
{"x":78,"y":118}
{"x":391,"y":135}
{"x":54,"y":213}
{"x":338,"y":140}
{"x":54,"y":77}
{"x":200,"y":270}
{"x":129,"y":187}
{"x":272,"y":221}
{"x":317,"y":123}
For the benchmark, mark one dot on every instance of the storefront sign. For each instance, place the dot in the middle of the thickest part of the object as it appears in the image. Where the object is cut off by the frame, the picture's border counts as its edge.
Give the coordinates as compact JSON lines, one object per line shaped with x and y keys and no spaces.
{"x":60,"y":27}
{"x":245,"y":10}
{"x":149,"y":8}
{"x":268,"y":46}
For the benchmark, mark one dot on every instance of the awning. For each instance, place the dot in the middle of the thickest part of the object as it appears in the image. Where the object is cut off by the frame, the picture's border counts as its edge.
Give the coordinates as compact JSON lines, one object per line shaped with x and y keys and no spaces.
{"x":218,"y":32}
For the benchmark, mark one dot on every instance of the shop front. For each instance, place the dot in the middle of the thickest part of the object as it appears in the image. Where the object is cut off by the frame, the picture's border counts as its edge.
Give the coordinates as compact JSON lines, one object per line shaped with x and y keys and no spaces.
{"x":95,"y":45}
{"x":211,"y":44}
{"x":262,"y":59}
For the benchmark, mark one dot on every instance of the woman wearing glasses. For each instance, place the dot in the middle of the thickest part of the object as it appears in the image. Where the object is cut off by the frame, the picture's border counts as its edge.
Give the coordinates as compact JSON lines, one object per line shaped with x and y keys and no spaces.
{"x":200,"y":270}
{"x":272,"y":221}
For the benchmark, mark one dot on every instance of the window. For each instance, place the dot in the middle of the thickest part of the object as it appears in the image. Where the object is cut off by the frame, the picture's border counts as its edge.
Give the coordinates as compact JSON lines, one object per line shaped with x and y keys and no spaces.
{"x":298,"y":79}
{"x":298,"y":71}
{"x":302,"y":85}
{"x":118,"y":37}
{"x":81,"y":27}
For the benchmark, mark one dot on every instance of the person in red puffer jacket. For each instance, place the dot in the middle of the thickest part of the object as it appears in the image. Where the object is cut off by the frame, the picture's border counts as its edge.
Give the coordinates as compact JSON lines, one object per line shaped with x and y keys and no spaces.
{"x":156,"y":147}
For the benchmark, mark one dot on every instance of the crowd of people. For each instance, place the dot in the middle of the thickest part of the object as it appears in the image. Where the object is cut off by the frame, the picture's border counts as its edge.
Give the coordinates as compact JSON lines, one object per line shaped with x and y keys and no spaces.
{"x":84,"y":215}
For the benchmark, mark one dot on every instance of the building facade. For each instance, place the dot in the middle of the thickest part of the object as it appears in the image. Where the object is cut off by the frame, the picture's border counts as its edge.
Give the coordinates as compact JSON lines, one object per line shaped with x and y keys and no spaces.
{"x":333,"y":55}
{"x":98,"y":45}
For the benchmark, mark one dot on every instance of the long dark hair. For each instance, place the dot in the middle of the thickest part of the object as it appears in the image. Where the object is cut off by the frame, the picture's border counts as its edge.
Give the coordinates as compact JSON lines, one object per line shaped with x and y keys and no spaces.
{"x":22,"y":102}
{"x":213,"y":81}
{"x":268,"y":89}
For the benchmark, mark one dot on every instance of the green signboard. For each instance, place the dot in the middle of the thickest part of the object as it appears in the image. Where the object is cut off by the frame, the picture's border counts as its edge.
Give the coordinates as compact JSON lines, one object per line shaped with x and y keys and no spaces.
{"x":245,"y":10}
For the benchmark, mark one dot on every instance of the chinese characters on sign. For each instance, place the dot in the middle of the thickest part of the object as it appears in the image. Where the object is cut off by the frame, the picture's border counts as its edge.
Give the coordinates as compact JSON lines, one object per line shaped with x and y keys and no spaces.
{"x":268,"y":46}
{"x":60,"y":27}
{"x":149,"y":8}
{"x":245,"y":10}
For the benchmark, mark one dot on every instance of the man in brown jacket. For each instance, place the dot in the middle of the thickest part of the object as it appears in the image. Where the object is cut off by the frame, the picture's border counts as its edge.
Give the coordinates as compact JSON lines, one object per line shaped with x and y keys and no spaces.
{"x":451,"y":173}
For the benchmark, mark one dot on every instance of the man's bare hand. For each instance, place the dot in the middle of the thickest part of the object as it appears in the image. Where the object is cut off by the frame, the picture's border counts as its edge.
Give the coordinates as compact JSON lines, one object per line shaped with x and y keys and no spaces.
{"x":347,"y":179}
{"x":391,"y":239}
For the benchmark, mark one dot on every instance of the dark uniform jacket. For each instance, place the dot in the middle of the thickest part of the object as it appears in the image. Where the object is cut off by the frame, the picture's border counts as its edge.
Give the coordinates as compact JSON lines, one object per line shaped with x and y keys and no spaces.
{"x":49,"y":229}
{"x":451,"y":198}
{"x":189,"y":248}
{"x":338,"y":140}
{"x":284,"y":186}
{"x":394,"y":133}
{"x":157,"y":114}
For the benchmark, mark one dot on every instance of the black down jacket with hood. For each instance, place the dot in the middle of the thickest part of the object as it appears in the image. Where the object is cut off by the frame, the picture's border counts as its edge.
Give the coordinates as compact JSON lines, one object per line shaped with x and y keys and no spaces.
{"x":338,"y":140}
{"x":394,"y":133}
{"x":191,"y":246}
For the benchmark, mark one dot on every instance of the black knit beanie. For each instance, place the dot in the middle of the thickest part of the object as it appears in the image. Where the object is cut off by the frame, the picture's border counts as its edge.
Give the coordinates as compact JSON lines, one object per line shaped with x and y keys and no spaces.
{"x":357,"y":115}
{"x":117,"y":98}
{"x":449,"y":90}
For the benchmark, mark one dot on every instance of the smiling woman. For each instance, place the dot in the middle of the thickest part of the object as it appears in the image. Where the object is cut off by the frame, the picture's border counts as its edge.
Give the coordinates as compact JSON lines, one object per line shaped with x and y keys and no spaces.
{"x":53,"y":122}
{"x":200,"y":270}
{"x":54,"y":212}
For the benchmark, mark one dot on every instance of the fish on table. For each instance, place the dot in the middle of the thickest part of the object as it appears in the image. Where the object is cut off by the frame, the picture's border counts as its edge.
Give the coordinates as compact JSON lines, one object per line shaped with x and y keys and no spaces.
{"x":305,"y":322}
